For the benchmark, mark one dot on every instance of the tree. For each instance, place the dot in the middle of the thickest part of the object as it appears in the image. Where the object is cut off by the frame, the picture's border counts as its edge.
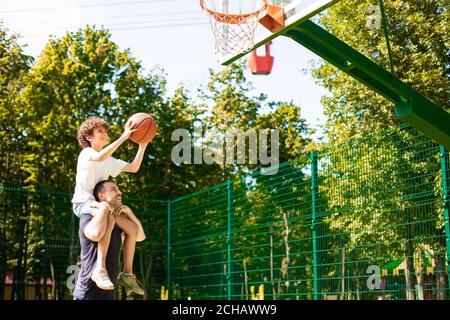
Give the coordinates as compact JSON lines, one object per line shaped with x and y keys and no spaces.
{"x":14,"y":65}
{"x":227,"y":96}
{"x":232,"y":108}
{"x":383,"y":196}
{"x":419,"y":40}
{"x":163,"y":178}
{"x":79,"y":75}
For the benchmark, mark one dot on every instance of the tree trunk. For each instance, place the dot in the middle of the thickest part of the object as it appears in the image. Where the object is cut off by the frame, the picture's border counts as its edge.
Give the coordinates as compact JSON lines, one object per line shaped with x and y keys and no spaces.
{"x":409,"y":255}
{"x":419,"y":275}
{"x":3,"y":258}
{"x":357,"y":282}
{"x":343,"y":273}
{"x":274,"y":293}
{"x":44,"y":275}
{"x":148,"y":273}
{"x":25,"y":241}
{"x":441,"y":278}
{"x":19,"y":274}
{"x":223,"y":287}
{"x":409,"y":272}
{"x":383,"y":288}
{"x":37,"y":287}
{"x":245,"y":280}
{"x":145,"y":273}
{"x":285,"y":266}
{"x":52,"y":274}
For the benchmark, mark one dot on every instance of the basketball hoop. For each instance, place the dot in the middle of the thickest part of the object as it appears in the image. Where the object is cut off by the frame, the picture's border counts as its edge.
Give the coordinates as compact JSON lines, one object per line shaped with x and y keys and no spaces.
{"x":233,"y":23}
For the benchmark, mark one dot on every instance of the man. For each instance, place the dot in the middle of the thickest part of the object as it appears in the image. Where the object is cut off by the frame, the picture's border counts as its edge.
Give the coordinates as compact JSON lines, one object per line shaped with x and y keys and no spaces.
{"x":91,"y":230}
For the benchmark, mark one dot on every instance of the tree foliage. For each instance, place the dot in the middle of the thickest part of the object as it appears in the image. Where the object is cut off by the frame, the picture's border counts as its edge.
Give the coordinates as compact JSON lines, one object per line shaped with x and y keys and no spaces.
{"x":42,"y":104}
{"x":233,"y":108}
{"x":418,"y":34}
{"x":14,"y":65}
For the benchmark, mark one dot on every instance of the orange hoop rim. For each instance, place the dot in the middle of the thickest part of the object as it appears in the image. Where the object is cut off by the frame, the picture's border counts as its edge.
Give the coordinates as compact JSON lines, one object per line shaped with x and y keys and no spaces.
{"x":233,"y":18}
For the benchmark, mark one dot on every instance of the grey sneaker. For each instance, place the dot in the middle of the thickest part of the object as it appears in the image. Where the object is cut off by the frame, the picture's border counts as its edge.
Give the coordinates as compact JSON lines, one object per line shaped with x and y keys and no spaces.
{"x":101,"y":279}
{"x":130,"y":282}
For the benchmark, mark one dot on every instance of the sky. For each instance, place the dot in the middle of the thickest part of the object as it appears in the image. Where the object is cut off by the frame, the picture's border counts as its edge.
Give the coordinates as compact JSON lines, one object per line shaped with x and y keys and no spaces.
{"x":172,"y":34}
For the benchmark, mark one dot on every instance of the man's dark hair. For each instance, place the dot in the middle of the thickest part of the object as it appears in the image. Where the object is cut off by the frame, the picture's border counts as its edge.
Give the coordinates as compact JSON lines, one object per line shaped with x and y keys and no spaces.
{"x":100,"y":187}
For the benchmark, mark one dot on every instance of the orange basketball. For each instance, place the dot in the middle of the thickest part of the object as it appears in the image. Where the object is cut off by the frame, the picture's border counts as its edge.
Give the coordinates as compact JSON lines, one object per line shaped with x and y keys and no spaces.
{"x":145,"y":125}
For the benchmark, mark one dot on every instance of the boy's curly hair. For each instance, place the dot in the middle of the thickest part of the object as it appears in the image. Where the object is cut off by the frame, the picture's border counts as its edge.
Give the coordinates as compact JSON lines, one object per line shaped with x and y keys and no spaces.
{"x":87,"y":129}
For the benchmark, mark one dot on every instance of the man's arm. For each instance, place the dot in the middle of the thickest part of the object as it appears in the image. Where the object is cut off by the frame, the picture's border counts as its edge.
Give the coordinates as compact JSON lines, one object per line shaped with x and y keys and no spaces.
{"x":96,"y":228}
{"x":134,"y":166}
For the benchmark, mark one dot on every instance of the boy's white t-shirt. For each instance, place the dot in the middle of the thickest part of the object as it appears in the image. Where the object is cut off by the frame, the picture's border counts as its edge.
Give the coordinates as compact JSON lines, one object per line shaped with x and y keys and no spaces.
{"x":89,"y":173}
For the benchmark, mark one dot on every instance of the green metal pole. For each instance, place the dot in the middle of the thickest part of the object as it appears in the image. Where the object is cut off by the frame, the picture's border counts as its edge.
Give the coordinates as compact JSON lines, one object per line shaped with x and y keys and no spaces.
{"x":169,"y":248}
{"x":386,"y":35}
{"x":314,"y":192}
{"x":230,"y":231}
{"x":411,"y":106}
{"x":445,"y":167}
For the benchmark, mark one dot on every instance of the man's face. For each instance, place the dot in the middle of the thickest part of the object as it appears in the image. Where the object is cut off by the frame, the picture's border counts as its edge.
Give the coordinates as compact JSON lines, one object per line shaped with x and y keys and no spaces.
{"x":111,"y":194}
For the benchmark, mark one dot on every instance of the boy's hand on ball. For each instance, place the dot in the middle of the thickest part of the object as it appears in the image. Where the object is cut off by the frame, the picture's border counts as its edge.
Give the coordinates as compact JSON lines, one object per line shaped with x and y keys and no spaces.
{"x":128,"y":129}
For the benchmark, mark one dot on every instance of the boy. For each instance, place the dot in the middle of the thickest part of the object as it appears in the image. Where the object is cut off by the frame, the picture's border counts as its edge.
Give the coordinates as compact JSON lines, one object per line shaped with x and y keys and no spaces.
{"x":96,"y":164}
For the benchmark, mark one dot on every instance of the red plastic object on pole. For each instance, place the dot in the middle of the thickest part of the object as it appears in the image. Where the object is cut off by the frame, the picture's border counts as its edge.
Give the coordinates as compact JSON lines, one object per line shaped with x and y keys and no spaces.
{"x":261,"y":64}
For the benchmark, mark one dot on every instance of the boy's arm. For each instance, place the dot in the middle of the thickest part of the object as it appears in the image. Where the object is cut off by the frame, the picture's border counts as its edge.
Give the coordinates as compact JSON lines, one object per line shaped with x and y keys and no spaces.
{"x":108,"y":151}
{"x":134,"y":166}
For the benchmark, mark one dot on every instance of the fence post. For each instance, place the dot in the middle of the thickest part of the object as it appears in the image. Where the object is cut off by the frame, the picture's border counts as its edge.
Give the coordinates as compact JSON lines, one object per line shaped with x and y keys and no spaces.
{"x":314,"y":193}
{"x":169,"y":249}
{"x":230,"y":235}
{"x":445,"y":163}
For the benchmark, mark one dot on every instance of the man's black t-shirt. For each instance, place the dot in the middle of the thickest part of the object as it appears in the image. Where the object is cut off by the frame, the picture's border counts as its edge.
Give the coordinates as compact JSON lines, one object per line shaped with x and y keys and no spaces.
{"x":85,"y":288}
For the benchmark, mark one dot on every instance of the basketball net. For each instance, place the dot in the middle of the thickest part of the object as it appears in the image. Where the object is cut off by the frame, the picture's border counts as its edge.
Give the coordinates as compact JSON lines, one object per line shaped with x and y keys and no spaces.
{"x":233,"y":23}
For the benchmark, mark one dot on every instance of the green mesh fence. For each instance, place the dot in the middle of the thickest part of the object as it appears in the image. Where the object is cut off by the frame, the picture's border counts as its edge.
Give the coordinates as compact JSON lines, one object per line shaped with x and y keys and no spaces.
{"x":365,"y":220}
{"x":39,"y":245}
